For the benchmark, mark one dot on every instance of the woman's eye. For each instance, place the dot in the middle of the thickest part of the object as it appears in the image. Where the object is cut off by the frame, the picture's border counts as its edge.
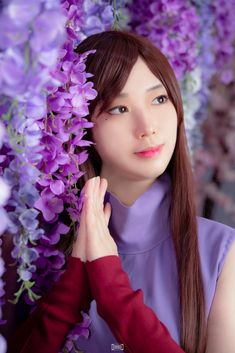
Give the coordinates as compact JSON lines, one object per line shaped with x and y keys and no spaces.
{"x":161,"y":99}
{"x":117,"y":110}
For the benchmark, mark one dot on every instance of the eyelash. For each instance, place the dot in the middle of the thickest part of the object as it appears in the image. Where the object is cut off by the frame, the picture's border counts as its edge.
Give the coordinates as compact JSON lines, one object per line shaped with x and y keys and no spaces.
{"x":122,"y":106}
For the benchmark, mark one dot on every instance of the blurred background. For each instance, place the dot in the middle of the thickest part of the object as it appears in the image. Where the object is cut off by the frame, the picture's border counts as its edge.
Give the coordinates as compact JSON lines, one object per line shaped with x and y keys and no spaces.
{"x":43,"y":85}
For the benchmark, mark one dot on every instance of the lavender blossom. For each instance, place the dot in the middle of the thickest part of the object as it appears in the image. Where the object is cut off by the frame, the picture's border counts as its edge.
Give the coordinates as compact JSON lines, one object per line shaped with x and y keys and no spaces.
{"x":79,"y":330}
{"x":4,"y":196}
{"x":49,"y":205}
{"x":166,"y":24}
{"x":28,"y":55}
{"x":3,"y":345}
{"x":4,"y":192}
{"x":225,"y":35}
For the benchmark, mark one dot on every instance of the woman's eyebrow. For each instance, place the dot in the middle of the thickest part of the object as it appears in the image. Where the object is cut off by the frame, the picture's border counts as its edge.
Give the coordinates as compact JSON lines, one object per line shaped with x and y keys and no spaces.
{"x":158,"y":86}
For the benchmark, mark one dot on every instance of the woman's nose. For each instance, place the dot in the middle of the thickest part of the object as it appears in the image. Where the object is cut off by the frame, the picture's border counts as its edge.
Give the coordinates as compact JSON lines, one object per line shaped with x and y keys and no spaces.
{"x":147,"y":132}
{"x":144,"y":125}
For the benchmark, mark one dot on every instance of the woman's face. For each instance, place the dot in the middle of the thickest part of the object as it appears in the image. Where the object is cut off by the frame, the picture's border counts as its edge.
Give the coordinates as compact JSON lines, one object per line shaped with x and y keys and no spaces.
{"x":142,"y":116}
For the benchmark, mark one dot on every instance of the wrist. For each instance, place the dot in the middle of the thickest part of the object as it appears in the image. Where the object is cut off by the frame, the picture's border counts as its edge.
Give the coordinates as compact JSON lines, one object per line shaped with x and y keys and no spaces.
{"x":78,"y":255}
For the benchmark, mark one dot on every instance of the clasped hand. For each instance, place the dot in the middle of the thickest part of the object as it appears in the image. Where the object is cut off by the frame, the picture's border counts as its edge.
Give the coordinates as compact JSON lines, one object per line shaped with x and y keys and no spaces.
{"x":93,"y":239}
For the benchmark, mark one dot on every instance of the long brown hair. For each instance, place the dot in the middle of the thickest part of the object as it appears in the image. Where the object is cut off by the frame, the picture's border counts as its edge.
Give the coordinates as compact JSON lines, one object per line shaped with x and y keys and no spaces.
{"x":116,"y":53}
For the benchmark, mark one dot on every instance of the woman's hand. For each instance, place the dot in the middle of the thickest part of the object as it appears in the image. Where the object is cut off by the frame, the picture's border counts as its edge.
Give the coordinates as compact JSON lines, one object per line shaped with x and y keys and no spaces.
{"x":94,"y":240}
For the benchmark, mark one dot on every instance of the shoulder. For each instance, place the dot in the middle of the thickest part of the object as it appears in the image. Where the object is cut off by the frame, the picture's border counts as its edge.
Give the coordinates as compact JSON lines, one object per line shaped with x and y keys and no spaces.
{"x":211,"y":230}
{"x":221,"y":321}
{"x":228,"y":269}
{"x":206,"y":226}
{"x":215,"y":240}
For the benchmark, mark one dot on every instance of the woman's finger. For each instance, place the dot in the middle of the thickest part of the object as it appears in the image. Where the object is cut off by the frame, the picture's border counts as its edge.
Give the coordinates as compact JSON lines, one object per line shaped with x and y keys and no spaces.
{"x":88,"y":201}
{"x":89,"y":191}
{"x":103,"y":188}
{"x":94,"y":192}
{"x":107,"y":212}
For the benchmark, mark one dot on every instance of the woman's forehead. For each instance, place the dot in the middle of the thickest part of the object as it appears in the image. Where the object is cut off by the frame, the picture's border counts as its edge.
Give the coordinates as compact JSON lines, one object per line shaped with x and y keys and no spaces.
{"x":141,"y":78}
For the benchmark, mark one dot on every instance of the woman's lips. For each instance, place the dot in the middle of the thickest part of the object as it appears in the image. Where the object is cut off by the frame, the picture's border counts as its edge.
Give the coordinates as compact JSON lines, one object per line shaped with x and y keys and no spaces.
{"x":150,"y":153}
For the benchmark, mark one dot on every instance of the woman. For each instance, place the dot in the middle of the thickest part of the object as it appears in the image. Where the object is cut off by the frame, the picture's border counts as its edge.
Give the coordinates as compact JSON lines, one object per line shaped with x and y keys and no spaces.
{"x":153,"y":276}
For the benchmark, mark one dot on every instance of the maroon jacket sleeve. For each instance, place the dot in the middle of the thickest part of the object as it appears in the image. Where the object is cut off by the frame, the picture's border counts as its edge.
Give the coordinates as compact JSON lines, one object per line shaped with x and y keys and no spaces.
{"x":56,"y":313}
{"x":133,"y":323}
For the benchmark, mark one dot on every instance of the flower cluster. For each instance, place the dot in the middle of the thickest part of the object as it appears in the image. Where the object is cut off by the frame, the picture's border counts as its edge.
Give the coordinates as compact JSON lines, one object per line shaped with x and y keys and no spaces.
{"x":216,"y":27}
{"x":63,"y":131}
{"x":43,"y":103}
{"x":223,"y":11}
{"x":4,"y":196}
{"x":86,"y":17}
{"x":99,"y":16}
{"x":206,"y":57}
{"x":44,"y":100}
{"x":167,"y":25}
{"x":215,"y":162}
{"x":79,"y":330}
{"x":29,"y":46}
{"x":190,"y":88}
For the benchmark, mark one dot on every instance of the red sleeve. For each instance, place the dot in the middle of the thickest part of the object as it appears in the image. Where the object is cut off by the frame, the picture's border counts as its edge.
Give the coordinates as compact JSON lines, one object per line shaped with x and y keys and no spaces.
{"x":56,"y":313}
{"x":132,"y":322}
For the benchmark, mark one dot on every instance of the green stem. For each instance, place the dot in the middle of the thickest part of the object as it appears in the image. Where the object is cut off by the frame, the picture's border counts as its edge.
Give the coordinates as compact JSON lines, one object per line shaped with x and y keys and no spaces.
{"x":26,"y":56}
{"x":7,"y":116}
{"x":115,"y":25}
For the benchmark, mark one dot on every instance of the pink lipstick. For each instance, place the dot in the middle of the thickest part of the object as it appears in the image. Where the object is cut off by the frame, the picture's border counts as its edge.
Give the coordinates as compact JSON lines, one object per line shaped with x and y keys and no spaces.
{"x":150,"y":152}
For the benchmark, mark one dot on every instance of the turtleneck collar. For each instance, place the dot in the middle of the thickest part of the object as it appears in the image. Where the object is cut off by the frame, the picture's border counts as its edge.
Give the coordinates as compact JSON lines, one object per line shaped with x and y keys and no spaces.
{"x":144,"y":224}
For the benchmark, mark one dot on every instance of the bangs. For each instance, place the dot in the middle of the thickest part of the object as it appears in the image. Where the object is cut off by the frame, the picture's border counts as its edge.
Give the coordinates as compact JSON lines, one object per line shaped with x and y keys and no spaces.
{"x":116,"y":53}
{"x":110,"y":64}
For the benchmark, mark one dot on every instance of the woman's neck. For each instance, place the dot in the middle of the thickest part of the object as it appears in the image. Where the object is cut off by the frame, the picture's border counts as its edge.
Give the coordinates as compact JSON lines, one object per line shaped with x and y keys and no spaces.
{"x":144,"y":224}
{"x":126,"y":190}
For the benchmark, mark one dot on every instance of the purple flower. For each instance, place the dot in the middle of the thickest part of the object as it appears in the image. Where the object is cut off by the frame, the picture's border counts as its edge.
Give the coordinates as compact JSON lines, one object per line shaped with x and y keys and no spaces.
{"x":12,"y":223}
{"x":57,"y":187}
{"x":80,"y":330}
{"x":25,"y":74}
{"x":46,"y":92}
{"x":227,"y":76}
{"x":35,"y":234}
{"x":4,"y":196}
{"x":25,"y":196}
{"x":36,"y":107}
{"x":2,"y":267}
{"x":48,"y":30}
{"x":166,"y":25}
{"x":5,"y":192}
{"x":49,"y":205}
{"x":28,"y":10}
{"x":54,"y":235}
{"x":28,"y":219}
{"x":3,"y":344}
{"x":52,"y":259}
{"x":225,"y":34}
{"x":99,"y":16}
{"x":29,"y":255}
{"x":11,"y":33}
{"x":2,"y":134}
{"x":13,"y":72}
{"x":25,"y":274}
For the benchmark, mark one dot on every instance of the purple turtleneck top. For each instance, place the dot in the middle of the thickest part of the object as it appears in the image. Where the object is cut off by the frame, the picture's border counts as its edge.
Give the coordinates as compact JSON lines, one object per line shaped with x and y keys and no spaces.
{"x":144,"y":240}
